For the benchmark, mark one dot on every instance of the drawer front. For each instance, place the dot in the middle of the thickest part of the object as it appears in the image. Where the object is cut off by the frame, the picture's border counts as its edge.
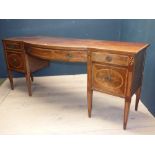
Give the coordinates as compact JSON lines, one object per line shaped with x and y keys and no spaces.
{"x":12,"y":45}
{"x":108,"y":58}
{"x":60,"y":55}
{"x":109,"y":79}
{"x":15,"y":61}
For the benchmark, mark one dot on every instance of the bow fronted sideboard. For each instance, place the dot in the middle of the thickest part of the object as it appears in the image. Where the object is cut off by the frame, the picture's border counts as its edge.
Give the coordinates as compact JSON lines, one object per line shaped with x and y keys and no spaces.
{"x":113,"y":67}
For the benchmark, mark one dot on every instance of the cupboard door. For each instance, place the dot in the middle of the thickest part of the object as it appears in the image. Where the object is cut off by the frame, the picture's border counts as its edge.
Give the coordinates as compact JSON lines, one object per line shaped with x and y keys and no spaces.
{"x":109,"y":79}
{"x":16,"y":61}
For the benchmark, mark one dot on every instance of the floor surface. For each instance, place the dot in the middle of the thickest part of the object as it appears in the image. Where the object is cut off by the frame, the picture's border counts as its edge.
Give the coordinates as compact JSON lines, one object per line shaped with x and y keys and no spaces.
{"x":58,"y":106}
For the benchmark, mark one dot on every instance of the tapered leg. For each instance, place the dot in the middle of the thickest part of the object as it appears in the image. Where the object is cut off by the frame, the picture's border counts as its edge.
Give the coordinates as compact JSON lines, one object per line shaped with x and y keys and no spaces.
{"x":28,"y":81}
{"x":32,"y":79}
{"x":89,"y":85}
{"x":89,"y":100}
{"x":126,"y":112}
{"x":11,"y":79}
{"x":138,"y":92}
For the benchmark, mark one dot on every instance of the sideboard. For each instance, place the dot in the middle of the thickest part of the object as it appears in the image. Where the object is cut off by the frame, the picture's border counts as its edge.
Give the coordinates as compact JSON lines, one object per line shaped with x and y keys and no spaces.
{"x":113,"y":67}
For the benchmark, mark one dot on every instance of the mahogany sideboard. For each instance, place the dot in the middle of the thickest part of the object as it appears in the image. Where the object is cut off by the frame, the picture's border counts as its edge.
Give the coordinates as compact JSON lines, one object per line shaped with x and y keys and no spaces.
{"x":113,"y":67}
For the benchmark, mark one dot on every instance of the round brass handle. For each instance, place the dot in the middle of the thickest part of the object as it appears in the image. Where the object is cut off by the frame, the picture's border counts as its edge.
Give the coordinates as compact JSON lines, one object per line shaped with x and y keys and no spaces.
{"x":108,"y":58}
{"x":28,"y":50}
{"x":69,"y":55}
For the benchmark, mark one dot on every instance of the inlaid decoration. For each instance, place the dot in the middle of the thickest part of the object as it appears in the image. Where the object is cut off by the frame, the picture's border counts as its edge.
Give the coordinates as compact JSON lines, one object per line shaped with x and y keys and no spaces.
{"x":131,"y":60}
{"x":14,"y":60}
{"x":109,"y":78}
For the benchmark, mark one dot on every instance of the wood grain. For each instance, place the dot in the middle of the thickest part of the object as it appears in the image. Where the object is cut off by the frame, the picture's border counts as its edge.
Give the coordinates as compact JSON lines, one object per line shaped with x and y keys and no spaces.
{"x":61,"y":43}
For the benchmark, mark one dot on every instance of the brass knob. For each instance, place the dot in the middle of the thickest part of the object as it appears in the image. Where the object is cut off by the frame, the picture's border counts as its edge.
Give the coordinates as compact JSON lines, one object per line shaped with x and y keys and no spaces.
{"x":108,"y":78}
{"x":108,"y":58}
{"x":14,"y":61}
{"x":11,"y":46}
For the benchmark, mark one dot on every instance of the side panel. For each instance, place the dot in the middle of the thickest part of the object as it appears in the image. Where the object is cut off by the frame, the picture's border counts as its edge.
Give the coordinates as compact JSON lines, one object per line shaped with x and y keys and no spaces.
{"x":138,"y":71}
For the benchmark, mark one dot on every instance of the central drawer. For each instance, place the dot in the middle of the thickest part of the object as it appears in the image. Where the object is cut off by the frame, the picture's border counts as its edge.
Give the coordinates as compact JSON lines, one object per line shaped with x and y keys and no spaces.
{"x":109,"y":58}
{"x":60,"y":55}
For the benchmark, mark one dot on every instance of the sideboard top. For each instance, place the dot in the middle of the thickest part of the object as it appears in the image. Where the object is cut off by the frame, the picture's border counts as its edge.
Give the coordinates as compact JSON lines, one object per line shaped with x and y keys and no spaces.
{"x":131,"y":47}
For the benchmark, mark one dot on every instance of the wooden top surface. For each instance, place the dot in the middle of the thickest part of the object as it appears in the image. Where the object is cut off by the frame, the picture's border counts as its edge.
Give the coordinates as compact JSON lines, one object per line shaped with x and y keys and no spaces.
{"x":131,"y":47}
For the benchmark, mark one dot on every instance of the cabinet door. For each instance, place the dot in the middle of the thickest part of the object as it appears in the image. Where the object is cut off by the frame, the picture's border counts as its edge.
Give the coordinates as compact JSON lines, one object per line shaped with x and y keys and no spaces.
{"x":16,"y":61}
{"x":109,"y":79}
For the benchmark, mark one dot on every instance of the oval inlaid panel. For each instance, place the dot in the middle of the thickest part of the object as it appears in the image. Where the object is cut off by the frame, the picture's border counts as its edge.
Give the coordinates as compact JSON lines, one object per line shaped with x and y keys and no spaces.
{"x":109,"y":78}
{"x":15,"y":60}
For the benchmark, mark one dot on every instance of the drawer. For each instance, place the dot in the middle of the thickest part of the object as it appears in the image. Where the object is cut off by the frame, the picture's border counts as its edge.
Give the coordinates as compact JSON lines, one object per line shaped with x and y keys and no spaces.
{"x":15,"y":60}
{"x":109,"y":58}
{"x":12,"y":45}
{"x":60,"y":55}
{"x":109,"y":79}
